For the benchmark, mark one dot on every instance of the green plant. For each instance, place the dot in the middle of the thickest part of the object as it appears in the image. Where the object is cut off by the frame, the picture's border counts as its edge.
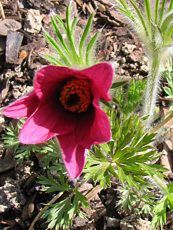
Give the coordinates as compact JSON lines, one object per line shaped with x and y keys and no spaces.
{"x":154,"y":27}
{"x":130,"y":156}
{"x":70,"y":201}
{"x":71,"y":51}
{"x":137,"y":202}
{"x":148,"y":201}
{"x":69,"y":204}
{"x":168,"y":76}
{"x":60,"y":214}
{"x":132,"y":93}
{"x":162,"y":206}
{"x":10,"y":138}
{"x":49,"y":150}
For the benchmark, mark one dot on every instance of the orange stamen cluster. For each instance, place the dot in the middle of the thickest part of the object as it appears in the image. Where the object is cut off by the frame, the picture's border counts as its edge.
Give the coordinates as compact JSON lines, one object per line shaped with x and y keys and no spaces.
{"x":76,"y":95}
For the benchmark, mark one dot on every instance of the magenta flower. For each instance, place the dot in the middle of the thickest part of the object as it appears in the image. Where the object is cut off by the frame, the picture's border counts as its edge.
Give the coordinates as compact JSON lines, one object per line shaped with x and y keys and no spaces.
{"x":65,"y":103}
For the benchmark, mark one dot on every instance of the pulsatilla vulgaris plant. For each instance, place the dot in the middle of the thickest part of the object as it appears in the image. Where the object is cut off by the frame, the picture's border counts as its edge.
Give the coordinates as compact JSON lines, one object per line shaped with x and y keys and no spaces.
{"x":65,"y":105}
{"x":65,"y":101}
{"x":153,"y":22}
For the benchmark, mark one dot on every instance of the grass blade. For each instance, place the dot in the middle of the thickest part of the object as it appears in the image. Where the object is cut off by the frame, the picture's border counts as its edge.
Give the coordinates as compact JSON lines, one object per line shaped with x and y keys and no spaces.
{"x":147,"y":5}
{"x":140,"y":16}
{"x":156,"y":11}
{"x":52,"y":60}
{"x":124,"y":12}
{"x":54,"y":44}
{"x":58,"y":33}
{"x":124,"y":4}
{"x":69,"y":34}
{"x":61,"y":23}
{"x":74,"y":23}
{"x":171,"y":5}
{"x":85,"y":33}
{"x":166,"y":21}
{"x":89,"y":48}
{"x":124,"y":8}
{"x":162,"y":10}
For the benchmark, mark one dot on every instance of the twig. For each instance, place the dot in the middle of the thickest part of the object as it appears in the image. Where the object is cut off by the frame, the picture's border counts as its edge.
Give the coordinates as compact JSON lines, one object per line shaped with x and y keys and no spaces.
{"x":93,"y":192}
{"x":162,"y":123}
{"x":2,"y":11}
{"x":44,"y":209}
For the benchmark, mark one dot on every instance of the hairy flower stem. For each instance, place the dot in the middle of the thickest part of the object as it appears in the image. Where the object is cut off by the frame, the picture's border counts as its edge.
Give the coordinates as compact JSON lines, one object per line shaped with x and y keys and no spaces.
{"x":152,"y":89}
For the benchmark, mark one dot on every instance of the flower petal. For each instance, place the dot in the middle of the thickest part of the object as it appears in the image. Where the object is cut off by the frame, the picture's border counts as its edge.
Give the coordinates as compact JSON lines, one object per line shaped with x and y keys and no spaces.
{"x":100,"y":130}
{"x":48,"y":78}
{"x":48,"y":121}
{"x":22,"y":107}
{"x":94,"y":128}
{"x":73,"y":155}
{"x":101,"y":77}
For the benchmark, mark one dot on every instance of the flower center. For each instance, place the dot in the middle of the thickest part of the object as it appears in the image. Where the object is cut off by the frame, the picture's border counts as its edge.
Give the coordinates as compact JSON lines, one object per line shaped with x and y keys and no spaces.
{"x":76,"y":95}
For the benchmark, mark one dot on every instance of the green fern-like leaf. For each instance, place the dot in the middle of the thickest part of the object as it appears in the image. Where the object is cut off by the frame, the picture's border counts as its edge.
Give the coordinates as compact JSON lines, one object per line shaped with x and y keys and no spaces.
{"x":61,"y":214}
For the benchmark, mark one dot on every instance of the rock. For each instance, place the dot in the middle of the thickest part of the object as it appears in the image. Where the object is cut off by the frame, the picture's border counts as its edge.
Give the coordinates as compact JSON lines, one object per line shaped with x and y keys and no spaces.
{"x":22,"y":56}
{"x":132,"y":66}
{"x":82,"y":223}
{"x":115,"y":16}
{"x":2,"y":45}
{"x":33,"y":21}
{"x":20,"y":4}
{"x":144,"y":69}
{"x":122,"y":60}
{"x":6,"y":164}
{"x":135,"y":56}
{"x":145,"y":60}
{"x":128,"y":48}
{"x":9,"y":25}
{"x":43,"y":6}
{"x":13,"y":44}
{"x":28,"y":209}
{"x":101,"y":7}
{"x":10,"y":196}
{"x":112,"y":222}
{"x":1,"y":147}
{"x":46,"y":19}
{"x":4,"y":89}
{"x":96,"y":209}
{"x":85,"y":188}
{"x":121,"y":31}
{"x":134,"y":223}
{"x":106,"y":2}
{"x":2,"y":122}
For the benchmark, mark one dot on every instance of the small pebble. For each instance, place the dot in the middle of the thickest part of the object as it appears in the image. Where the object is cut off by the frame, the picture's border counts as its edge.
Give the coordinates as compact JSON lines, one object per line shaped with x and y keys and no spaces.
{"x":33,"y":21}
{"x":9,"y":25}
{"x":13,"y":44}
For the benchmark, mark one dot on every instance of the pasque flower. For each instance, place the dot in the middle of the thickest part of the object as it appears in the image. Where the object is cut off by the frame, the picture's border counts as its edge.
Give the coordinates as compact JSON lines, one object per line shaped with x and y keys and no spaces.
{"x":65,"y":104}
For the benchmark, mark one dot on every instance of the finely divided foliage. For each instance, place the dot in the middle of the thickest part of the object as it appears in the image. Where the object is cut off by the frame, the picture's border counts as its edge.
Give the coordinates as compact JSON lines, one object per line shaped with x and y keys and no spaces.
{"x":168,"y":75}
{"x":129,"y":155}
